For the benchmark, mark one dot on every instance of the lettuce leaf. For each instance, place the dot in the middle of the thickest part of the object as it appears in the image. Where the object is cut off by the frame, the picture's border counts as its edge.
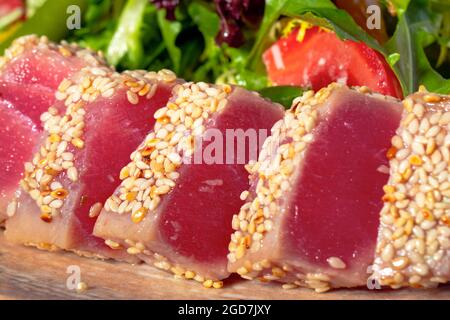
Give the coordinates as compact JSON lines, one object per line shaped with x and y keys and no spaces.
{"x":126,"y":40}
{"x":170,"y":31}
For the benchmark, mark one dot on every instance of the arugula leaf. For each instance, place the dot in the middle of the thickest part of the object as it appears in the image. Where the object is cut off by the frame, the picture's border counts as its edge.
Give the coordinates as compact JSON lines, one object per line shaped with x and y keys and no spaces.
{"x":417,"y":27}
{"x":126,"y":41}
{"x":170,"y":31}
{"x":284,"y":95}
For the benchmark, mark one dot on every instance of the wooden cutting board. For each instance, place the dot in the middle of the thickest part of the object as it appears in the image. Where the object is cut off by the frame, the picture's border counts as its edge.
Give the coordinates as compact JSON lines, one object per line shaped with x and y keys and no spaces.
{"x":27,"y":273}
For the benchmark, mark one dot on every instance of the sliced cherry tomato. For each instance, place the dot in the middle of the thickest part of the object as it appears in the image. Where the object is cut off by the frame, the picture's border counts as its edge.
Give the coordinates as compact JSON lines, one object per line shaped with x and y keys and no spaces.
{"x":321,"y":58}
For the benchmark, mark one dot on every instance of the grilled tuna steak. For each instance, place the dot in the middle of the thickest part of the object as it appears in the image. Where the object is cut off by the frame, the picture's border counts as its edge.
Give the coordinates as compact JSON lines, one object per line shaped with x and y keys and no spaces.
{"x":312,"y":215}
{"x":101,"y":117}
{"x":18,"y":136}
{"x":414,"y":238}
{"x":174,"y":206}
{"x":30,"y":72}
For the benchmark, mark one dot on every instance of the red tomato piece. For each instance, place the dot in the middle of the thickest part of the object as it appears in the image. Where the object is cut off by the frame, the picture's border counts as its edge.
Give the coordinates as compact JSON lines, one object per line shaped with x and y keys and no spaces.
{"x":7,"y":6}
{"x":321,"y":58}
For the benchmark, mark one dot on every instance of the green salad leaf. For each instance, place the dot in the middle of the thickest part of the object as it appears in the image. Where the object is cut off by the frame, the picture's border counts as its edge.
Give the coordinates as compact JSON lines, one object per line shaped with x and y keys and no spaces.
{"x":170,"y":31}
{"x":49,"y":20}
{"x":32,"y":6}
{"x":400,"y":6}
{"x":126,"y":39}
{"x":284,"y":95}
{"x":207,"y":21}
{"x":416,"y":29}
{"x":99,"y":24}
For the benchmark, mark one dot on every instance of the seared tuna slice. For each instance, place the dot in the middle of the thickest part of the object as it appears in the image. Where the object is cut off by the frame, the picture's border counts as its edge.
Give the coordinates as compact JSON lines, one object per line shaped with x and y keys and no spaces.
{"x":35,"y":60}
{"x":76,"y":168}
{"x":32,"y":69}
{"x":18,"y":136}
{"x":414,"y":239}
{"x":174,"y":206}
{"x":30,"y":100}
{"x":311,"y":217}
{"x":30,"y":72}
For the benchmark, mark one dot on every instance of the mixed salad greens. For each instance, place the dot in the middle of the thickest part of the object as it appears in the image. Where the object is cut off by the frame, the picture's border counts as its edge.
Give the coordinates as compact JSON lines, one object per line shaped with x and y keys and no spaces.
{"x":224,"y":40}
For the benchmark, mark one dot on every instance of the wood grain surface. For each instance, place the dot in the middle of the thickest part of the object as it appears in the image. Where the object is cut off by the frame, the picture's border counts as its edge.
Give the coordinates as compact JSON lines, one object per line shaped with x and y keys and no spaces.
{"x":27,"y":273}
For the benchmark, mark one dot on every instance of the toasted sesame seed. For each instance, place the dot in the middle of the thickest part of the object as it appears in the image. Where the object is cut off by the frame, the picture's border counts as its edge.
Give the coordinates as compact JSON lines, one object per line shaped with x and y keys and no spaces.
{"x":78,"y":143}
{"x":59,"y":193}
{"x":46,"y":217}
{"x":289,"y":286}
{"x":400,"y":263}
{"x":418,"y":148}
{"x":138,"y":215}
{"x":11,"y":209}
{"x":67,"y":156}
{"x":132,"y":97}
{"x":208,"y":283}
{"x":112,"y":244}
{"x":244,"y":195}
{"x":415,"y":160}
{"x":242,"y":271}
{"x":72,"y":174}
{"x":82,"y":287}
{"x":56,"y":204}
{"x":95,"y":210}
{"x":108,"y":93}
{"x":323,"y":289}
{"x":431,"y":98}
{"x":336,"y":263}
{"x":421,"y":269}
{"x":133,"y":251}
{"x":388,"y":253}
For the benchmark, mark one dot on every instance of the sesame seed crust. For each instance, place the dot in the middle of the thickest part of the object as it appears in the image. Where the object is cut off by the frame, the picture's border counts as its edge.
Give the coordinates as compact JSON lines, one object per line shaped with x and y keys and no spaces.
{"x":153,"y":169}
{"x":272,"y":176}
{"x":45,"y":246}
{"x":65,"y":129}
{"x":413,"y":247}
{"x":161,"y":262}
{"x":152,"y":172}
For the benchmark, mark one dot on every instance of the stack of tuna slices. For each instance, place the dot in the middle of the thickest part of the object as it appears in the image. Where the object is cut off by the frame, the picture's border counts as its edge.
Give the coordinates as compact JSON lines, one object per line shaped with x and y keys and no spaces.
{"x":350,"y":188}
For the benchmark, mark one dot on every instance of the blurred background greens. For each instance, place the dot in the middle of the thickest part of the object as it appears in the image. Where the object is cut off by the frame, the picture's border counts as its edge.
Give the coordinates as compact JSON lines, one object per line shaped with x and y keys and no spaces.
{"x":223,"y":40}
